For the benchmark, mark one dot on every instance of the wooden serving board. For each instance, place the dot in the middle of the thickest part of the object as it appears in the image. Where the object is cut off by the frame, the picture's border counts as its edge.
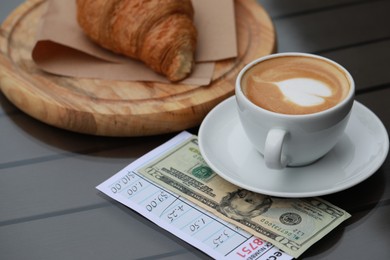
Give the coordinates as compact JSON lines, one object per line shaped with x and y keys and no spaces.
{"x":120,"y":108}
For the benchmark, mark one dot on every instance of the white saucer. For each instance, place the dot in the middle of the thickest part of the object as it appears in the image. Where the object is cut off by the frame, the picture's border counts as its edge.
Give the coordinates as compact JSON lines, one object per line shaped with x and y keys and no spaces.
{"x":358,"y":155}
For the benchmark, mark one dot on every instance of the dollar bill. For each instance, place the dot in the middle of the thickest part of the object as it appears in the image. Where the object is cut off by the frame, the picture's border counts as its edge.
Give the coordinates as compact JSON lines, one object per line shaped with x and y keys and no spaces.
{"x":293,"y":225}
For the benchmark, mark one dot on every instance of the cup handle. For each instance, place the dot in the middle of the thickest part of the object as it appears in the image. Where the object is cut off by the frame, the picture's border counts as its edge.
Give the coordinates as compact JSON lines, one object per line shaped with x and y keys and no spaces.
{"x":274,"y":159}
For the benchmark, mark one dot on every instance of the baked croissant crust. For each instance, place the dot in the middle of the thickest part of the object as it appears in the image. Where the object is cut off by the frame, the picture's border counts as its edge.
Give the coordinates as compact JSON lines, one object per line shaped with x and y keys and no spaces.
{"x":160,"y":33}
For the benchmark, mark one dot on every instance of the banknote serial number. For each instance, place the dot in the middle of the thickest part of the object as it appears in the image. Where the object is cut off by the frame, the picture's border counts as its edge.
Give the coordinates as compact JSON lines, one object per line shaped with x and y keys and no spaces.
{"x":256,"y":248}
{"x":247,"y":250}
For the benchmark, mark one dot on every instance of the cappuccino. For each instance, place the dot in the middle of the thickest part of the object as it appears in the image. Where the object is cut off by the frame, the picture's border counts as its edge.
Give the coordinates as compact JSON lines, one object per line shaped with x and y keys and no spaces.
{"x":295,"y":85}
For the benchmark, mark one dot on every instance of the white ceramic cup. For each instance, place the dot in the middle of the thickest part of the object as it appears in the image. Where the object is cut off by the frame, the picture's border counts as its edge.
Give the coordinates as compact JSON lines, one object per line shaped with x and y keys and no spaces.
{"x":293,"y":140}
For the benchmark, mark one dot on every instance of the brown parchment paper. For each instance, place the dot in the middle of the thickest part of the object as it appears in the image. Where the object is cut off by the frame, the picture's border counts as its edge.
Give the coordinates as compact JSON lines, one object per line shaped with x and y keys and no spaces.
{"x":63,"y":49}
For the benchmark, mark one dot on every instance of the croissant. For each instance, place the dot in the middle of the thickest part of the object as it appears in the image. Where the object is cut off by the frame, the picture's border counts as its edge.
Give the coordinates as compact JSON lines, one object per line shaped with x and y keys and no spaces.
{"x":160,"y":33}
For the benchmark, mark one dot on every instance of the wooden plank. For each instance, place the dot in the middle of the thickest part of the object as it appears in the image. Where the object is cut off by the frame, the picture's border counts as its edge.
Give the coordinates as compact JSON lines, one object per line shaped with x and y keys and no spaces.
{"x":62,"y":184}
{"x":378,"y":102}
{"x":28,"y":141}
{"x":281,"y":8}
{"x":22,"y":139}
{"x":365,"y":195}
{"x":368,"y":63}
{"x":363,"y":236}
{"x":6,"y":107}
{"x":321,"y":31}
{"x":113,"y":232}
{"x":39,"y":189}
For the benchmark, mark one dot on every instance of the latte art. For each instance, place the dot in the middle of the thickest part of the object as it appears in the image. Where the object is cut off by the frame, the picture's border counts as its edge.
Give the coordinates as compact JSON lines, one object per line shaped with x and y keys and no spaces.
{"x":299,"y":85}
{"x":304,"y":92}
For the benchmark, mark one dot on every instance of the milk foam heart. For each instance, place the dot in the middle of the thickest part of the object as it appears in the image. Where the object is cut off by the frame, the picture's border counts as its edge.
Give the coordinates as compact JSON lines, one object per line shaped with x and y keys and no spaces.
{"x":304,"y":92}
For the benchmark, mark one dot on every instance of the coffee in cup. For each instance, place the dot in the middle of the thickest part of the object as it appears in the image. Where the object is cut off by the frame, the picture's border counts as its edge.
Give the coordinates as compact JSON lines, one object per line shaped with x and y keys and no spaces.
{"x":295,"y":85}
{"x":294,"y":107}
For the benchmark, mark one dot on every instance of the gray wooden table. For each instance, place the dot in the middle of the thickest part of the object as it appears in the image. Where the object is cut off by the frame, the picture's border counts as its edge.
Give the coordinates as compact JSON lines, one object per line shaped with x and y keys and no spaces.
{"x":50,"y":209}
